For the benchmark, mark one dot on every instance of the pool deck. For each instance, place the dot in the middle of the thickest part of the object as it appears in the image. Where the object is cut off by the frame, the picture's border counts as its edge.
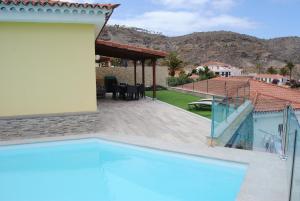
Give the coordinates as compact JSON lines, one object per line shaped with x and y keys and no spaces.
{"x":158,"y":125}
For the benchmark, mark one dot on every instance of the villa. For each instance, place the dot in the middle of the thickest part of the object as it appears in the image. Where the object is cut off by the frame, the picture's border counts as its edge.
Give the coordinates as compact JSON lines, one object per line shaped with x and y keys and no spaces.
{"x":221,"y":69}
{"x":73,"y":130}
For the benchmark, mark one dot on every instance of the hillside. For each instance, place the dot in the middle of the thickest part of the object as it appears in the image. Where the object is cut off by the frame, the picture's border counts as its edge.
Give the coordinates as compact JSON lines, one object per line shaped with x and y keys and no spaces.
{"x":233,"y":48}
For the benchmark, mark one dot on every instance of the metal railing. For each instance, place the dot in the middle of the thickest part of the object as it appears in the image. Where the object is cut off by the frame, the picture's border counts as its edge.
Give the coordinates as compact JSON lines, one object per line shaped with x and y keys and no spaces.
{"x":225,"y":88}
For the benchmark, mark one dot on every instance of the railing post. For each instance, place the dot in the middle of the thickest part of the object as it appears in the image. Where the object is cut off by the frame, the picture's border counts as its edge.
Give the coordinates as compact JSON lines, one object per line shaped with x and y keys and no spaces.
{"x":245,"y":93}
{"x":193,"y":85}
{"x":212,"y":121}
{"x":285,"y":134}
{"x":225,"y":89}
{"x":293,"y":166}
{"x":207,"y":86}
{"x":227,"y":107}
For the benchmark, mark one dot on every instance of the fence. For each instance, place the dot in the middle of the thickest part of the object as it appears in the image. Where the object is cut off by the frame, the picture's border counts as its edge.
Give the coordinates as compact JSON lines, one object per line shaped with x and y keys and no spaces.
{"x":225,"y":88}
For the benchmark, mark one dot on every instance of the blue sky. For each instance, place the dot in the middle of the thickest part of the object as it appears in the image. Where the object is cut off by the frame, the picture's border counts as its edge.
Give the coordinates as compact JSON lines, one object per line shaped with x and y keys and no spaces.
{"x":261,"y":18}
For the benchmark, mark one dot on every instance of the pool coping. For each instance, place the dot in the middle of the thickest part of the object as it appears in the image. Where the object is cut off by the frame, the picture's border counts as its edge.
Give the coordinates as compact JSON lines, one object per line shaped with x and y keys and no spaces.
{"x":263,"y":168}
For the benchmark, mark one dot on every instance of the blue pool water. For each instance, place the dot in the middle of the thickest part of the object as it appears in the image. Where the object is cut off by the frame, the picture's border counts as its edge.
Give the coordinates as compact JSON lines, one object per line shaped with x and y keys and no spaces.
{"x":96,"y":170}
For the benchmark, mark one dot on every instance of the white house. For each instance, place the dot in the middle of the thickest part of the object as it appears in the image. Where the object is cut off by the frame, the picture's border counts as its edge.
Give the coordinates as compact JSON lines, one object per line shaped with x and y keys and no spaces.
{"x":221,"y":69}
{"x":269,"y":78}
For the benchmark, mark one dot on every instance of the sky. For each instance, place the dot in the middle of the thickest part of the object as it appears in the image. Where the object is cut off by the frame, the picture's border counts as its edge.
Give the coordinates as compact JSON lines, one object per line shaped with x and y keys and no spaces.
{"x":260,"y":18}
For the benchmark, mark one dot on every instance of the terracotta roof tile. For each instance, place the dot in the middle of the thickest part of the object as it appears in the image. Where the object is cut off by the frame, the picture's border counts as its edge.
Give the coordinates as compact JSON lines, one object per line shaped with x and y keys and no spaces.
{"x":58,"y":3}
{"x":270,"y":97}
{"x":131,"y":48}
{"x":265,"y":97}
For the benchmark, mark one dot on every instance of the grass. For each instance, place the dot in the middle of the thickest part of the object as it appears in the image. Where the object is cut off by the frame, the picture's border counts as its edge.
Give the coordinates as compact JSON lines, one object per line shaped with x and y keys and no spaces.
{"x":181,"y":100}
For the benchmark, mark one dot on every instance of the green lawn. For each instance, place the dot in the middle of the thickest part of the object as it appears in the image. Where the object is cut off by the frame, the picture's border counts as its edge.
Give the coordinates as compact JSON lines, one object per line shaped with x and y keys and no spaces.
{"x":180,"y":100}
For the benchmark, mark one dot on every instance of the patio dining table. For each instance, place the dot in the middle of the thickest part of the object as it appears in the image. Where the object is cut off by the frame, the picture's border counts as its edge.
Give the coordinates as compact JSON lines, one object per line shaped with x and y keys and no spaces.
{"x":127,"y":92}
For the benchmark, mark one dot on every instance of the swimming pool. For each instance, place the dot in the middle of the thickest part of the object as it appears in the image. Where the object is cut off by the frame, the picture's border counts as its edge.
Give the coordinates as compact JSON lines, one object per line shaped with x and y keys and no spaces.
{"x":92,"y":169}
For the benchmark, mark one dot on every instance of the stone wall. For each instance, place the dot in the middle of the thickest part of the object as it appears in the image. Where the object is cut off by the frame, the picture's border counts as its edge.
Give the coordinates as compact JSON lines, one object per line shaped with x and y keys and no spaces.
{"x":126,"y":75}
{"x":47,"y":126}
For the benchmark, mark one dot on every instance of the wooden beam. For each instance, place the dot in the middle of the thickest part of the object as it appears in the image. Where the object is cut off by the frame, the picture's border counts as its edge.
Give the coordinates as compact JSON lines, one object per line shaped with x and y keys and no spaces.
{"x":134,"y":63}
{"x":143,"y":72}
{"x":154,"y":78}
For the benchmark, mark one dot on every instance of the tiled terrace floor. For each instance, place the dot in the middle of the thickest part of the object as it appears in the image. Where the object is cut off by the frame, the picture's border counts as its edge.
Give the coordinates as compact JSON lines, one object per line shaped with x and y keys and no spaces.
{"x":152,"y":119}
{"x":144,"y":118}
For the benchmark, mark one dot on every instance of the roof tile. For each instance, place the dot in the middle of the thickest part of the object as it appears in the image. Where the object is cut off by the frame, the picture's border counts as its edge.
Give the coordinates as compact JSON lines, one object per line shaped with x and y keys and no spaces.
{"x":58,"y":3}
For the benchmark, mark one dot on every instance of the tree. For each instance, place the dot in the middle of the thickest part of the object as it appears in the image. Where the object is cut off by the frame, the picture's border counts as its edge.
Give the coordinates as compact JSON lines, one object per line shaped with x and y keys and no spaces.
{"x":258,"y":67}
{"x":173,"y":62}
{"x":272,"y":70}
{"x":205,"y":73}
{"x":116,"y":62}
{"x":290,"y":66}
{"x":283,"y":71}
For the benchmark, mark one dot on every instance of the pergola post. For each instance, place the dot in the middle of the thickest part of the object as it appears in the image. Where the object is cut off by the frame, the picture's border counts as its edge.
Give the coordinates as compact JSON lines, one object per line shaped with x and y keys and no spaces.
{"x":134,"y":63}
{"x":143,"y":72}
{"x":154,"y":79}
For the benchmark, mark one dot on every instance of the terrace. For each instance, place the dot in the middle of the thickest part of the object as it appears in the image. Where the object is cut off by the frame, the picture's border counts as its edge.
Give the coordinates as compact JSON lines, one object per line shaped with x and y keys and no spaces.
{"x":158,"y":125}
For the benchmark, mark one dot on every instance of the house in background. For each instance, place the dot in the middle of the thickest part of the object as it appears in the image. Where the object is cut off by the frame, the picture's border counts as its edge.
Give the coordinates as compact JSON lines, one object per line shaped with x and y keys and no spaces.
{"x":47,"y":52}
{"x":269,"y":78}
{"x":221,"y":69}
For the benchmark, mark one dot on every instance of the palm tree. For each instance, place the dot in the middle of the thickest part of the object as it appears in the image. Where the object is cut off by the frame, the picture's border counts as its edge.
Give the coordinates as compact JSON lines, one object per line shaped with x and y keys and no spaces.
{"x":290,"y":66}
{"x":173,"y":62}
{"x":283,"y":71}
{"x":258,"y":67}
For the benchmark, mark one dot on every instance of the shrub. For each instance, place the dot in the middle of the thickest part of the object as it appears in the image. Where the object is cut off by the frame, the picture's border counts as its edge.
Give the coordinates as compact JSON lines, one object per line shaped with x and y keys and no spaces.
{"x":293,"y":84}
{"x":182,"y":79}
{"x":158,"y":88}
{"x":194,"y":71}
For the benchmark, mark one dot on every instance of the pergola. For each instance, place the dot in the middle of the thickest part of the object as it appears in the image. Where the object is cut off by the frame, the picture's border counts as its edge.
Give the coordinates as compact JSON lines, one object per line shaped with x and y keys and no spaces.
{"x":122,"y":51}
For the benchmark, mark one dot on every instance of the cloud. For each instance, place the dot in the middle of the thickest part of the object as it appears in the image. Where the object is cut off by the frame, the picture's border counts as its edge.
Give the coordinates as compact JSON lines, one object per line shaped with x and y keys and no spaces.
{"x":197,"y":4}
{"x":181,"y":4}
{"x":223,"y":5}
{"x":177,"y":17}
{"x":183,"y":22}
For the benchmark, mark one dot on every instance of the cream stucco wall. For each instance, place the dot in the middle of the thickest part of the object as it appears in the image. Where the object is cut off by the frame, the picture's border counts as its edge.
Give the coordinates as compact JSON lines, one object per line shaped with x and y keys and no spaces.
{"x":46,"y":68}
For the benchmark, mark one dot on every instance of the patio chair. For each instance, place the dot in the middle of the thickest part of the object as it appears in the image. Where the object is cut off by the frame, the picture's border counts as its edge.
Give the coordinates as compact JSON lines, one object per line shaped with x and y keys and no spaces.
{"x":200,"y":103}
{"x":109,"y":82}
{"x":132,"y":92}
{"x":122,"y":91}
{"x":115,"y":92}
{"x":141,"y":88}
{"x":101,"y":92}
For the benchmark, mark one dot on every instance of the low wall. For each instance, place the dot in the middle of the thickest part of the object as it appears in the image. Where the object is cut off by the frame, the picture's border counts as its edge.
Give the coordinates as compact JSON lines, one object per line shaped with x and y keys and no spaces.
{"x":126,"y":75}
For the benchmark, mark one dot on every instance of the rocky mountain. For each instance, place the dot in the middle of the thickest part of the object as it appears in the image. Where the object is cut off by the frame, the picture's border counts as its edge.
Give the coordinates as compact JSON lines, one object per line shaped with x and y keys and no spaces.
{"x":240,"y":50}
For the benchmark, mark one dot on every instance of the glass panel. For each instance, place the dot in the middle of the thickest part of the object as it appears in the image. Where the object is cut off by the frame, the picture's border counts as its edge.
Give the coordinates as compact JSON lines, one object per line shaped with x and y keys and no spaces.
{"x":293,"y":155}
{"x":243,"y":137}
